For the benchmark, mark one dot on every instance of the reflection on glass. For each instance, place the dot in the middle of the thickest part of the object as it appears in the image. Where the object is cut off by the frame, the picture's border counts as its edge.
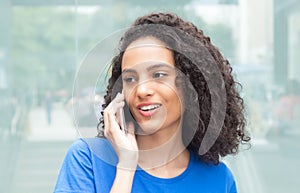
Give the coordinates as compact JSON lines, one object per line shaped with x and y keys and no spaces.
{"x":40,"y":52}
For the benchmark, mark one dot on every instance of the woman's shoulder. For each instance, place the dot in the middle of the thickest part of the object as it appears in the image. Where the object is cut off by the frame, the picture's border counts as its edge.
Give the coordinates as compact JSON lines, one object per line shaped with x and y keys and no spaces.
{"x":86,"y":144}
{"x":218,"y":176}
{"x":81,"y":168}
{"x":220,"y":169}
{"x":93,"y":148}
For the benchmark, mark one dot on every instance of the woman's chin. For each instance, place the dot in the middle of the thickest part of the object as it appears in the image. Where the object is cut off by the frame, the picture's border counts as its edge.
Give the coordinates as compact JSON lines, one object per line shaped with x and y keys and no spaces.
{"x":149,"y":127}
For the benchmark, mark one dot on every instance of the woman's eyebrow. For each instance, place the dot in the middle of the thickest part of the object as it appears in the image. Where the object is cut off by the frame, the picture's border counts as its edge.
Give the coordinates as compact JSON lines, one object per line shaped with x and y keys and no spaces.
{"x":128,"y":70}
{"x":159,"y":65}
{"x":149,"y":68}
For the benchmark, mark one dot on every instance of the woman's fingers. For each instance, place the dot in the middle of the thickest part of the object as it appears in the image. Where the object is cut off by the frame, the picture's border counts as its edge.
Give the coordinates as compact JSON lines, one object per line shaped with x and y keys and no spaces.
{"x":123,"y":142}
{"x":114,"y":126}
{"x":111,"y":119}
{"x":119,"y":97}
{"x":115,"y":104}
{"x":131,"y":136}
{"x":130,"y":128}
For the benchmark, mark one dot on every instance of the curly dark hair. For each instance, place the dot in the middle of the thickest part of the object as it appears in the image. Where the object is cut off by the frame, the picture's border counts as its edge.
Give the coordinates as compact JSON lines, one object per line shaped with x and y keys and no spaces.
{"x":184,"y":37}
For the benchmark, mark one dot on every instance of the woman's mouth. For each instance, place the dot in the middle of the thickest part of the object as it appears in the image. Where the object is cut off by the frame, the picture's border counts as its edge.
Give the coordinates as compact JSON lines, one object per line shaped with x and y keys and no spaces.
{"x":148,"y":110}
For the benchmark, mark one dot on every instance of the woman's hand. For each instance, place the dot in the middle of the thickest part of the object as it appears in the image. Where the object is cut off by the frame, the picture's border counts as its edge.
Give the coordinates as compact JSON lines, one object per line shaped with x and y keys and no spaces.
{"x":123,"y":142}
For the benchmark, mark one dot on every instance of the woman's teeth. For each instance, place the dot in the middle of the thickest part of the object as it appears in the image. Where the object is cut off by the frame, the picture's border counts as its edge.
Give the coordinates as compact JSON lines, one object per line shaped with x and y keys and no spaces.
{"x":149,"y":107}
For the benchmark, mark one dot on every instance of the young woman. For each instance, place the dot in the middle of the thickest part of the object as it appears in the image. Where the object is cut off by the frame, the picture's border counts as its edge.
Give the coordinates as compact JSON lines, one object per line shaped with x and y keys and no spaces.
{"x":182,"y":113}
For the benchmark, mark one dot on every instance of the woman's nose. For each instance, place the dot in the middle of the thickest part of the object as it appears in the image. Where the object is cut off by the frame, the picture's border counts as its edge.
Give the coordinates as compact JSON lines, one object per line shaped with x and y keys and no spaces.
{"x":145,"y":89}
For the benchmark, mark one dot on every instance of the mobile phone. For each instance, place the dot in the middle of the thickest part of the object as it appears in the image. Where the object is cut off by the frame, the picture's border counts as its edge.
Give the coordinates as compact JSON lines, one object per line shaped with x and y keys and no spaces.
{"x":122,"y":119}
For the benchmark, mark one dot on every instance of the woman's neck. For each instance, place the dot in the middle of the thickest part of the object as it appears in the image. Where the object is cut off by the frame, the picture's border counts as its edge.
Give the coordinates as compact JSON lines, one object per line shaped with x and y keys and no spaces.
{"x":161,"y":149}
{"x":170,"y":169}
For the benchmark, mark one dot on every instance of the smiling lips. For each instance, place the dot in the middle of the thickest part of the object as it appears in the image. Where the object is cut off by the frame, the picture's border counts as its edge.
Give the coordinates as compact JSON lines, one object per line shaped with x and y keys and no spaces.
{"x":148,"y":109}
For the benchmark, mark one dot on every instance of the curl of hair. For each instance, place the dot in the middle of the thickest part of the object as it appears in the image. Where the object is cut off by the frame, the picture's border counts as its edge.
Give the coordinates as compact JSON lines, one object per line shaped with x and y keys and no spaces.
{"x":233,"y":131}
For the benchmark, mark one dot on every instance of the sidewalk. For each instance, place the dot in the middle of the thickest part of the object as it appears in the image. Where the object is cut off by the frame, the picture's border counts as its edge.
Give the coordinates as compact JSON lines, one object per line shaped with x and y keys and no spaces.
{"x":61,"y":127}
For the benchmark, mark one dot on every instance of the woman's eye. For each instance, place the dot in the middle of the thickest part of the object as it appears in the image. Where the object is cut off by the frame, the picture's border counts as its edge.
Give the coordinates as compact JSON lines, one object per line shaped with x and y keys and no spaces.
{"x":159,"y":75}
{"x":128,"y":79}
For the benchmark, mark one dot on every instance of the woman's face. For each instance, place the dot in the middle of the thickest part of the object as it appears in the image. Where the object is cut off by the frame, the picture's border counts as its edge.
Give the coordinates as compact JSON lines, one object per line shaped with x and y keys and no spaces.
{"x":148,"y":75}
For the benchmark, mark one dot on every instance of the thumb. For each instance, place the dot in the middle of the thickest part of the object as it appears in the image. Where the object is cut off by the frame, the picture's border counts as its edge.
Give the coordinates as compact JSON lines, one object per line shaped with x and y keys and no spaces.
{"x":130,"y":128}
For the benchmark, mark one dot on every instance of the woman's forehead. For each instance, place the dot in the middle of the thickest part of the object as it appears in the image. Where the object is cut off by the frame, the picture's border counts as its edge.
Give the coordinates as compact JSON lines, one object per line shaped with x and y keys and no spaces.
{"x":146,"y":50}
{"x":149,"y":67}
{"x":148,"y":40}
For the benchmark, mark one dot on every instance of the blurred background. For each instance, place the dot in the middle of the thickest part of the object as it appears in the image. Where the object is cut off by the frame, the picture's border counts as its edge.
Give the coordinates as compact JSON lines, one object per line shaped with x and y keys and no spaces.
{"x":42,"y":46}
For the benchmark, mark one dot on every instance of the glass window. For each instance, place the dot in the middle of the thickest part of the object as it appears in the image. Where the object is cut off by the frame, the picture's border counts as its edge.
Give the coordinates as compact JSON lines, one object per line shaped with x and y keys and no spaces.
{"x":49,"y":52}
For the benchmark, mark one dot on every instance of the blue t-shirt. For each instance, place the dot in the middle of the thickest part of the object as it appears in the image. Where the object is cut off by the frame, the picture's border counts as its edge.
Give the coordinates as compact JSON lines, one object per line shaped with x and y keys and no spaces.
{"x":90,"y":167}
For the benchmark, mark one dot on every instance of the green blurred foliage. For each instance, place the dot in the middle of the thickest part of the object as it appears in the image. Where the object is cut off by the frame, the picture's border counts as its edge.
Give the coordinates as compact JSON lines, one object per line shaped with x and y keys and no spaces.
{"x":42,"y":51}
{"x":43,"y":47}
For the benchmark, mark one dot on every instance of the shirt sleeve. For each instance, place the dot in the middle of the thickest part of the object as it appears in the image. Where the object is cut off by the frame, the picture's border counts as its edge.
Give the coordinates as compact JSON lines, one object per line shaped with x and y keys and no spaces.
{"x":233,"y":188}
{"x":231,"y":183}
{"x":76,"y":173}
